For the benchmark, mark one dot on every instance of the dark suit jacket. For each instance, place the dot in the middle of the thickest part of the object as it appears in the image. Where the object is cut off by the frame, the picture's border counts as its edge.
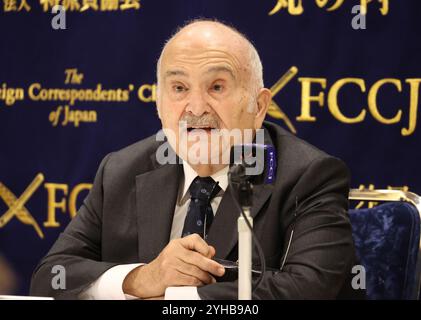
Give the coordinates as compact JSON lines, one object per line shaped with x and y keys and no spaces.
{"x":127,"y":218}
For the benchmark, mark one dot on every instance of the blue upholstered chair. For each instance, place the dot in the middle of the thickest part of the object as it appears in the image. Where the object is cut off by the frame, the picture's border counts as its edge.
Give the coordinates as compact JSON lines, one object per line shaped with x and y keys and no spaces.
{"x":387,"y":240}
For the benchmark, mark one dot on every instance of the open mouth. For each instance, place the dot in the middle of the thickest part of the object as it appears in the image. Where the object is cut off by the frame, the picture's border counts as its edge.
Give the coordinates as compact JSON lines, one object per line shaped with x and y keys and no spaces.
{"x":208,"y":129}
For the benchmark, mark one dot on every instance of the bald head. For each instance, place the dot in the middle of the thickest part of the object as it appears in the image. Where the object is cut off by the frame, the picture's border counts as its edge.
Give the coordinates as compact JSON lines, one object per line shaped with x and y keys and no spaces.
{"x":215,"y":36}
{"x":209,"y":86}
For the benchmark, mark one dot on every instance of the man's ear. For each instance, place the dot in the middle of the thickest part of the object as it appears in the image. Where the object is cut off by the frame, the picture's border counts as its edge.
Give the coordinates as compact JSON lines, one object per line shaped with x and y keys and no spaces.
{"x":158,"y":104}
{"x":264,"y":99}
{"x":158,"y":110}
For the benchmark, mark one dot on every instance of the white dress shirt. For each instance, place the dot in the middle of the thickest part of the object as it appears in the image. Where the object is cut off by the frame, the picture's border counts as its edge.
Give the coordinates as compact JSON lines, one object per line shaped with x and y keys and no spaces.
{"x":110,"y":284}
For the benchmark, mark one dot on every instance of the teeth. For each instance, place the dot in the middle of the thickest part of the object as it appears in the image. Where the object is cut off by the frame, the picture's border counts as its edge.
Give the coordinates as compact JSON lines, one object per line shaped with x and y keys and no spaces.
{"x":203,"y":128}
{"x":192,"y":128}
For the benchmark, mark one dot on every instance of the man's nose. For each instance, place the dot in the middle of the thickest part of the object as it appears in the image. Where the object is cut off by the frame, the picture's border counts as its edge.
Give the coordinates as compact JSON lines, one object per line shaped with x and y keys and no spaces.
{"x":197,"y":104}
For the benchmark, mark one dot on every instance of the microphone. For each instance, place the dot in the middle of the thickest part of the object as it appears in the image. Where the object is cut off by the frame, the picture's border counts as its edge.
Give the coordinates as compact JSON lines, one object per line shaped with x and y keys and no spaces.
{"x":253,"y":162}
{"x":249,"y":164}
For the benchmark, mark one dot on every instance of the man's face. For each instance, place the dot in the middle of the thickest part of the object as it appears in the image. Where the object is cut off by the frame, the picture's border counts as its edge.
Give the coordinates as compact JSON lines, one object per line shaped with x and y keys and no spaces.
{"x":205,"y":85}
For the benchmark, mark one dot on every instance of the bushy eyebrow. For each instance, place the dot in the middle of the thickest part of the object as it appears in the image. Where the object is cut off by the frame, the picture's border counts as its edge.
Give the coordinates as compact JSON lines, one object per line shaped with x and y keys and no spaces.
{"x":216,"y":69}
{"x":176,"y":72}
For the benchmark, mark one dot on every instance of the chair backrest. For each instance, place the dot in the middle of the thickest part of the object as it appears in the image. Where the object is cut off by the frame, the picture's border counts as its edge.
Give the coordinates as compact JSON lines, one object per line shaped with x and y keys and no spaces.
{"x":387,"y":241}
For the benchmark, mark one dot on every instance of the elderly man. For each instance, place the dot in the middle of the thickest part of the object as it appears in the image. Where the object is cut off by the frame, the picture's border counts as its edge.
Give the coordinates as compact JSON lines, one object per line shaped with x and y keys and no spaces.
{"x":139,"y":231}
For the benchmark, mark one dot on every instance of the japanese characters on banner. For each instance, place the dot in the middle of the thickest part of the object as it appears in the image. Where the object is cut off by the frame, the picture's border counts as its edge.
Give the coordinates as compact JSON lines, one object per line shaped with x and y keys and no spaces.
{"x":77,"y":81}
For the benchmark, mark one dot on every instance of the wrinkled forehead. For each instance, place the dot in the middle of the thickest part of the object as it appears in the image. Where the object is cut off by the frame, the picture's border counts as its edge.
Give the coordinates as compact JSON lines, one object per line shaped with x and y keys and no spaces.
{"x":207,"y":47}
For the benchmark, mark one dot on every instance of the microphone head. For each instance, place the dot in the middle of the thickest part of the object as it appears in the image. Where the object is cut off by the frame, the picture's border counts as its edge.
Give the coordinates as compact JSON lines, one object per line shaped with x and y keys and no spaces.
{"x":254,"y":162}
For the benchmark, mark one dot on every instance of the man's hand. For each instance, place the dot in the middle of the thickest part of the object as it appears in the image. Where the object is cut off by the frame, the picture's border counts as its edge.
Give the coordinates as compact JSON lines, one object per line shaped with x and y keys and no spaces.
{"x":183,"y":262}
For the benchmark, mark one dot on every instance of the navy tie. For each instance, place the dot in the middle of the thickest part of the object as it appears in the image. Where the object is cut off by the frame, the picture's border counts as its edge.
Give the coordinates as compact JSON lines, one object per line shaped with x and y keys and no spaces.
{"x":199,"y":214}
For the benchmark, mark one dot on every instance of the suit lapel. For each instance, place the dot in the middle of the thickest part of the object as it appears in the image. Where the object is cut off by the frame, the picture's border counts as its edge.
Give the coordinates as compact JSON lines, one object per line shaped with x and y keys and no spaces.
{"x":223,"y":235}
{"x":156,"y":196}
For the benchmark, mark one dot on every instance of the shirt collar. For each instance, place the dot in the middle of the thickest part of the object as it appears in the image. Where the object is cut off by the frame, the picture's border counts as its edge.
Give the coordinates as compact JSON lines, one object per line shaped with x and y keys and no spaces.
{"x":189,"y":175}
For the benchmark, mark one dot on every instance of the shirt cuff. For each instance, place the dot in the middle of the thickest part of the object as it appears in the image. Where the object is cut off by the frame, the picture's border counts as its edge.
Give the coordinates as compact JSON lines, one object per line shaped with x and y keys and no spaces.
{"x":181,"y":293}
{"x":109,"y":286}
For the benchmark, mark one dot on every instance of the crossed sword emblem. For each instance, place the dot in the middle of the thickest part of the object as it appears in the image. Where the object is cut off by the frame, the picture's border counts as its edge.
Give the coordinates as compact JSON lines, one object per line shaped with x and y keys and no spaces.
{"x":274,"y":110}
{"x":17,"y":205}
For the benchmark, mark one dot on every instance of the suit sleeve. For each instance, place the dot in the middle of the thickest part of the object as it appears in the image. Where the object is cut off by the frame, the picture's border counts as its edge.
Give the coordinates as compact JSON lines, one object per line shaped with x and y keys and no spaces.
{"x":322,"y":252}
{"x":78,"y":249}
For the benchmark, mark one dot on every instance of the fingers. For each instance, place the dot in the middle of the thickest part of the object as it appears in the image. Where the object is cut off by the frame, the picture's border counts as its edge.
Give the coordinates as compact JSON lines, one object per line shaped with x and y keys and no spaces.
{"x":183,"y":262}
{"x":205,"y":264}
{"x":194,"y":271}
{"x":199,"y":253}
{"x":196,"y":243}
{"x":187,"y":280}
{"x":212,"y":252}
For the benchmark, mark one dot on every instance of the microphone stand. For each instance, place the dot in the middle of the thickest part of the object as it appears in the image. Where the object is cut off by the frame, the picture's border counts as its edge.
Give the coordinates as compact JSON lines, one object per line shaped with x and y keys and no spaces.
{"x":239,"y":181}
{"x":245,"y":193}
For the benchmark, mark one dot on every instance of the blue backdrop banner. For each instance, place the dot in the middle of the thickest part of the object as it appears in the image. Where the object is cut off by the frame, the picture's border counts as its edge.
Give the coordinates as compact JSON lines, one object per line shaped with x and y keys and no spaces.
{"x":78,"y":81}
